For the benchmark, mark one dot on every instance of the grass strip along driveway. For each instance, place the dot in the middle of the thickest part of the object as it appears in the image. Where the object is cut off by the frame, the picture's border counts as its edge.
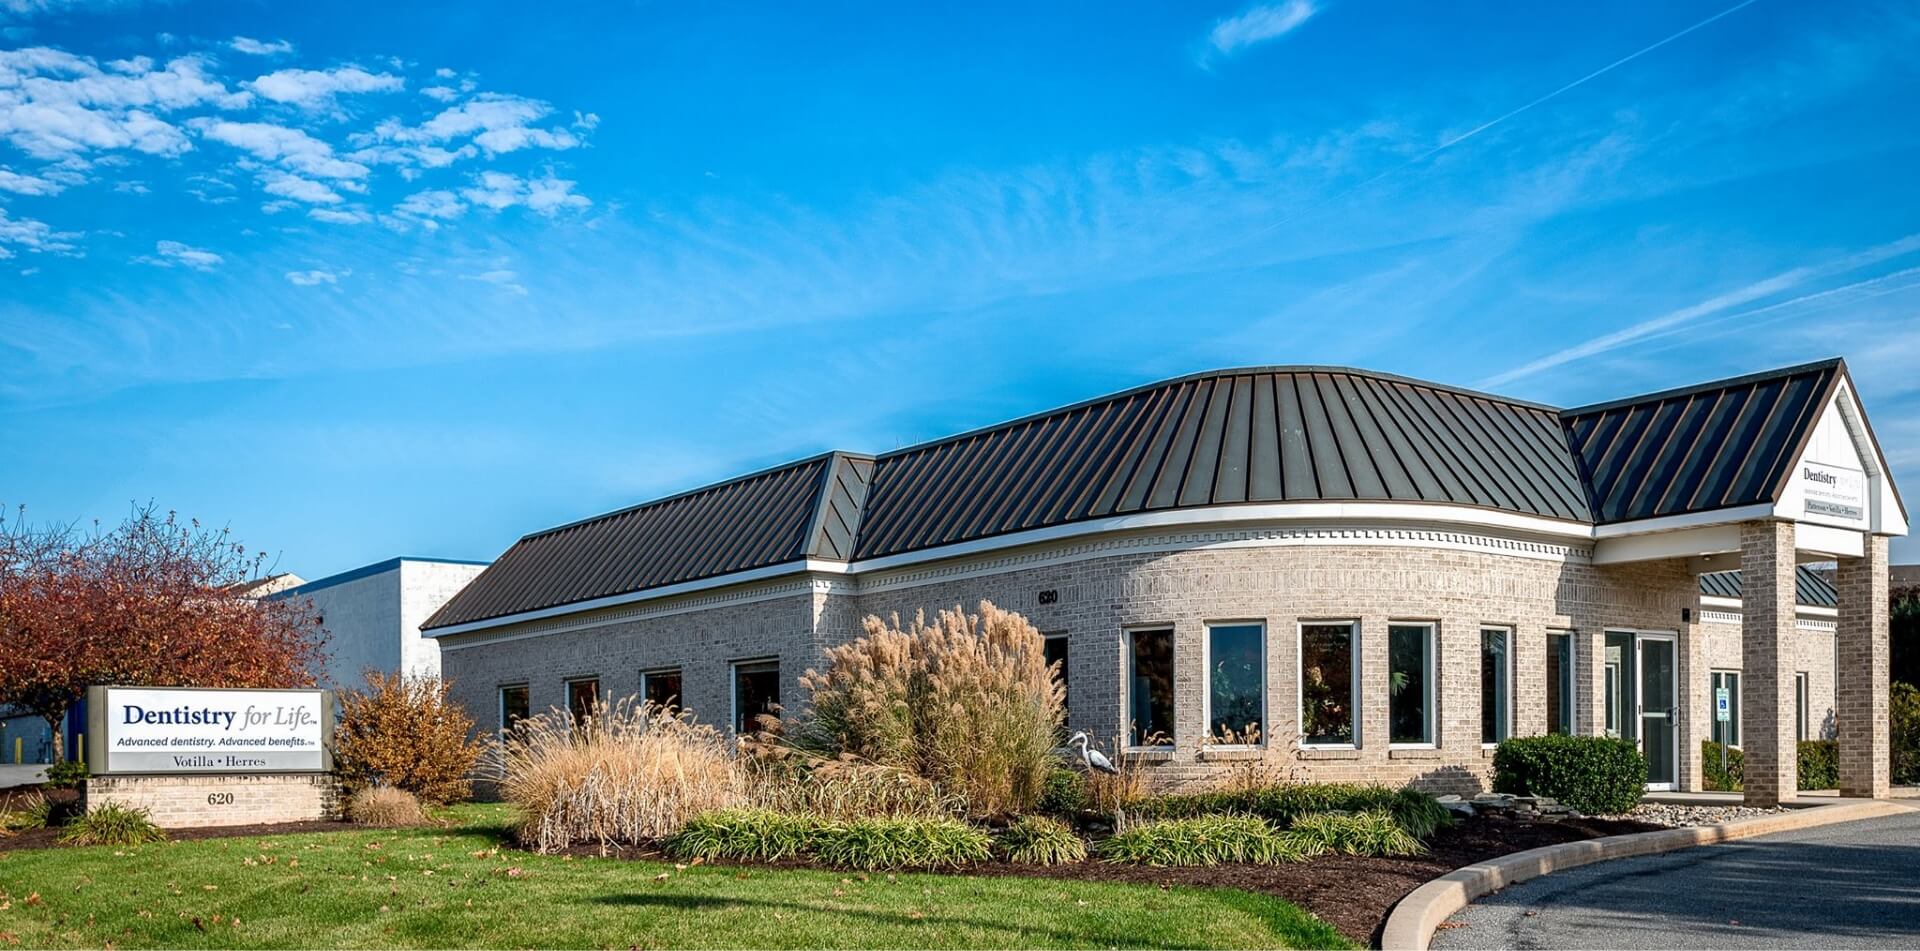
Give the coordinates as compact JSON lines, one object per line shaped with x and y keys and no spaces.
{"x":461,"y":886}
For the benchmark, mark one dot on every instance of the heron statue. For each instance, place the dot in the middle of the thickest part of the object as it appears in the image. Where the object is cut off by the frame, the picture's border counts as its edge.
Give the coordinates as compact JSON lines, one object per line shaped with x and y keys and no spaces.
{"x":1091,"y":758}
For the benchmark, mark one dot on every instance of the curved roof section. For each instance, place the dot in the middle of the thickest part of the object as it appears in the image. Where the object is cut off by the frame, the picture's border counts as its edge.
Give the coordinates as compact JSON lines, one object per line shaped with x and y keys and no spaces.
{"x":1225,"y":438}
{"x":1714,"y":446}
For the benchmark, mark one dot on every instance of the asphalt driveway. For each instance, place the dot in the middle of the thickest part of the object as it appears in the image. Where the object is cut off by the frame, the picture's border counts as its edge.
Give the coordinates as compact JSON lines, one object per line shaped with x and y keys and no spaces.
{"x":1848,"y":885}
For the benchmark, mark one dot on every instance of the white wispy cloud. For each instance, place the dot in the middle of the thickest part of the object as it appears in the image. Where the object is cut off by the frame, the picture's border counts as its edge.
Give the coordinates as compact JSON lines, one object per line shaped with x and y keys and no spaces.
{"x":175,"y":253}
{"x":253,"y":47}
{"x":27,"y":234}
{"x":546,"y":195}
{"x":316,"y":277}
{"x":441,"y":93}
{"x":276,"y":182}
{"x":339,"y":216}
{"x":1258,"y":24}
{"x":11,"y":181}
{"x":317,"y":88}
{"x":56,"y":105}
{"x":503,"y":278}
{"x":495,"y":122}
{"x":292,"y":148}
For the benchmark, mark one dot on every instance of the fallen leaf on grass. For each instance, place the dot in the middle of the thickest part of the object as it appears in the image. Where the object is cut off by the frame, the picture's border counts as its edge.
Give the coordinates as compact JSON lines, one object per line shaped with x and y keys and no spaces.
{"x":33,"y":898}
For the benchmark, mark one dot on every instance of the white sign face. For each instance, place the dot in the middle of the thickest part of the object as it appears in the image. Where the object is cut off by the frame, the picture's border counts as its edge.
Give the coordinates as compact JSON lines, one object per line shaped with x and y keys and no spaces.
{"x":145,"y":730}
{"x":1723,"y":704}
{"x":1829,"y":491}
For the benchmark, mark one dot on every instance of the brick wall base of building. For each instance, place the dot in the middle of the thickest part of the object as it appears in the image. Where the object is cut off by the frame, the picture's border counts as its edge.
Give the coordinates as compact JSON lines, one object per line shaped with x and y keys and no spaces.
{"x":180,"y":802}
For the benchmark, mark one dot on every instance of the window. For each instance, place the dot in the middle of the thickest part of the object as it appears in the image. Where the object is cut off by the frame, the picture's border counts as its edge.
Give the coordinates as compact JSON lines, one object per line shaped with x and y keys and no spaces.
{"x":1410,"y":683}
{"x":1728,"y":732}
{"x":1620,"y":678}
{"x":661,"y":687}
{"x":1329,"y":683}
{"x":582,"y":697}
{"x":1496,"y":684}
{"x":1150,"y":687}
{"x":1055,"y":646}
{"x":515,"y":705}
{"x":756,"y":693}
{"x":1560,"y":682}
{"x":1800,"y":707}
{"x":1236,"y":684}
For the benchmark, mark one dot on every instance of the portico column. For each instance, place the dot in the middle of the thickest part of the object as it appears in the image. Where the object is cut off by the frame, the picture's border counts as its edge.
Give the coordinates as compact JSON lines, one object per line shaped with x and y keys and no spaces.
{"x":1861,"y":670}
{"x":1766,"y":640}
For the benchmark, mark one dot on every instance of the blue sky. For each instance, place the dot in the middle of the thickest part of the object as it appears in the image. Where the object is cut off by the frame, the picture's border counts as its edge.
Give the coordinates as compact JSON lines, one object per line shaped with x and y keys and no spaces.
{"x":367,"y":280}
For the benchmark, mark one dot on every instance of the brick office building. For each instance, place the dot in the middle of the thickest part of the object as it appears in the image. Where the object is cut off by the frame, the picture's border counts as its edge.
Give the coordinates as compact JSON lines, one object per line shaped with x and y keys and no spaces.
{"x":1375,"y":576}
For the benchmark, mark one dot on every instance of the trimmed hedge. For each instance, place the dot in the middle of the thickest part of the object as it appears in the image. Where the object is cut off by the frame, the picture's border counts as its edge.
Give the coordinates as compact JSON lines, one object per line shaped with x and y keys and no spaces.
{"x":1597,"y":775}
{"x":1063,"y":794}
{"x":1819,"y":764}
{"x":1420,"y":814}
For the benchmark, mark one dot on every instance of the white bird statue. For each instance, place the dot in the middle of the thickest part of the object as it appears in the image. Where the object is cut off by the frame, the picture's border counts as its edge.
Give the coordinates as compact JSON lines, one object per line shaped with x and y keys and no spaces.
{"x":1091,"y":758}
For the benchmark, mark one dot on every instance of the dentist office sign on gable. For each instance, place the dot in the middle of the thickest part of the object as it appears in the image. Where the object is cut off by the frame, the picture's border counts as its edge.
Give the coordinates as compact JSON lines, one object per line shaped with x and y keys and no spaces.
{"x":183,"y":730}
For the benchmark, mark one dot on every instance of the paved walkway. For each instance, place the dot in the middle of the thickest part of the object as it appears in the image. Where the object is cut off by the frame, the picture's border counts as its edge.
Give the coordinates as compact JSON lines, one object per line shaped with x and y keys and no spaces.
{"x":1848,"y":885}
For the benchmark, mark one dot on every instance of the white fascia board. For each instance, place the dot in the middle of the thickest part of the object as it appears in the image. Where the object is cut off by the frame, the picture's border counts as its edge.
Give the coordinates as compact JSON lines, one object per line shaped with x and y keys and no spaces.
{"x":1823,"y":541}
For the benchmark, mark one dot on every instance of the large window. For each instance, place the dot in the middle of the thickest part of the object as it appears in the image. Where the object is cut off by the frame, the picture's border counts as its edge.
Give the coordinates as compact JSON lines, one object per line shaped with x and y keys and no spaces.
{"x":1150,"y":687}
{"x":1410,"y":684}
{"x":661,"y":687}
{"x":1055,"y":646}
{"x":1329,"y":683}
{"x":1236,"y":684}
{"x":1802,"y":730}
{"x":1728,"y":732}
{"x":582,"y":696}
{"x":515,"y":705}
{"x":1561,"y":687}
{"x":756,"y":693}
{"x":1496,"y":684}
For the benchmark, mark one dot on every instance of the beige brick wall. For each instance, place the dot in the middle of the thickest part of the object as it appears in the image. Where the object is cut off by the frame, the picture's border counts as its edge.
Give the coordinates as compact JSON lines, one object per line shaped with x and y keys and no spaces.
{"x":178,"y":802}
{"x":1099,"y":598}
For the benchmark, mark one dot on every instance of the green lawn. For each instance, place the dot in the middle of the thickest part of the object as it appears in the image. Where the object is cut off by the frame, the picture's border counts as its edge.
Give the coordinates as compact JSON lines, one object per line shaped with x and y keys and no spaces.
{"x":461,"y":887}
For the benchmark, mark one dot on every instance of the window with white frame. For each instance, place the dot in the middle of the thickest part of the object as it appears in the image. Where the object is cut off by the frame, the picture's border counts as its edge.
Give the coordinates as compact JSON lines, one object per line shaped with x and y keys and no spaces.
{"x":1236,"y":684}
{"x":1150,"y":687}
{"x":1329,"y":683}
{"x":1801,"y":706}
{"x":1728,"y":732}
{"x":1496,"y":684}
{"x":515,"y":705}
{"x":1561,"y":683}
{"x":1410,"y":684}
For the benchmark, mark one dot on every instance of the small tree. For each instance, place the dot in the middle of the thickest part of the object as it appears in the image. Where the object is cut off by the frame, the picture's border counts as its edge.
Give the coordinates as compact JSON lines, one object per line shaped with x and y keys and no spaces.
{"x":968,"y":701}
{"x":144,"y":604}
{"x":405,"y":732}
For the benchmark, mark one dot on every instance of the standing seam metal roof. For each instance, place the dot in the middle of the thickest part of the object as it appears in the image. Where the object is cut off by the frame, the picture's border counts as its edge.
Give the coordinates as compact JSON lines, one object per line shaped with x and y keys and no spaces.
{"x":1221,"y":438}
{"x":1810,"y":587}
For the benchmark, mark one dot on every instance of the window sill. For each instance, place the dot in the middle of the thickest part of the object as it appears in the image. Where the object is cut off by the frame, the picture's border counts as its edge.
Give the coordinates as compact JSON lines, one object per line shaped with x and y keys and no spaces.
{"x":1329,"y":753}
{"x":1233,"y":754}
{"x":1424,"y":753}
{"x":1150,"y":754}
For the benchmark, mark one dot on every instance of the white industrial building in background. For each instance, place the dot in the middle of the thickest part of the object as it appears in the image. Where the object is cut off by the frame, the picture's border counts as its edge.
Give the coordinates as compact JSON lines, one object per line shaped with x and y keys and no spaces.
{"x":372,"y":615}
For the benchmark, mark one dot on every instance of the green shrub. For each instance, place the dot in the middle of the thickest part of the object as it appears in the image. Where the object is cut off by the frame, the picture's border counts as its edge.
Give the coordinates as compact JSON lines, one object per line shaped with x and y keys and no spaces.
{"x":1039,"y":840}
{"x":1417,"y":812}
{"x":1819,"y":764}
{"x":1716,"y":779}
{"x":1063,"y":794}
{"x":1353,"y":833}
{"x":1905,"y":734}
{"x":1202,"y":840}
{"x":756,"y":835}
{"x":870,"y":844}
{"x":112,"y":824}
{"x":1596,"y":775}
{"x":68,"y":774}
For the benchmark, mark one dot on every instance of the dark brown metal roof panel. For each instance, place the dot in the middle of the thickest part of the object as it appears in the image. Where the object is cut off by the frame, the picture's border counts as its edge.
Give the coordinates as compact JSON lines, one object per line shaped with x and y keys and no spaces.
{"x":1811,"y":587}
{"x":1714,"y":446}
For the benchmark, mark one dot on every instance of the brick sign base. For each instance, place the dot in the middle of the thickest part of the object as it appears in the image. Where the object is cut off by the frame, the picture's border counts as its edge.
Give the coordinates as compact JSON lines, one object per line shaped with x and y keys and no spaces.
{"x":180,"y":802}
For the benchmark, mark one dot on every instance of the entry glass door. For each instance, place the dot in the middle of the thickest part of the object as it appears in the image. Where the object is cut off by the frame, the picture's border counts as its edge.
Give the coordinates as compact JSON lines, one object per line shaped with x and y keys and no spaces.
{"x":1659,"y":716}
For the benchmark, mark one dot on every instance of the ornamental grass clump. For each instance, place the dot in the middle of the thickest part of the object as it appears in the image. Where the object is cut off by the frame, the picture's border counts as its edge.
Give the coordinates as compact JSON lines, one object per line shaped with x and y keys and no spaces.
{"x":887,"y":844}
{"x":846,"y":788}
{"x":385,"y":807}
{"x":626,"y":774}
{"x":112,"y":824}
{"x":967,"y":702}
{"x":1375,"y":833}
{"x":1040,"y":840}
{"x":746,"y":835}
{"x":1204,"y":840}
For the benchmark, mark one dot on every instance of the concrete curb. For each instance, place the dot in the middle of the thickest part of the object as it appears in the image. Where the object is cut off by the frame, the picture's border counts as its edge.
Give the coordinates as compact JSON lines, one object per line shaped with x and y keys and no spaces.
{"x":1411,"y":925}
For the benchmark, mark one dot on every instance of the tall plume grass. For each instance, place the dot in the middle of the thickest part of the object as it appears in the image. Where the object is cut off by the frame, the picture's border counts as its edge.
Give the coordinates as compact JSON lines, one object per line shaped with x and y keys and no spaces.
{"x":967,"y":702}
{"x":626,"y":774}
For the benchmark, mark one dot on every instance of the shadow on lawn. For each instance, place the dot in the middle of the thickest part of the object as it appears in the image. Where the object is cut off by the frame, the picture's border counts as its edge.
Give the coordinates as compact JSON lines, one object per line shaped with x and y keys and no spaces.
{"x":1024,"y":936}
